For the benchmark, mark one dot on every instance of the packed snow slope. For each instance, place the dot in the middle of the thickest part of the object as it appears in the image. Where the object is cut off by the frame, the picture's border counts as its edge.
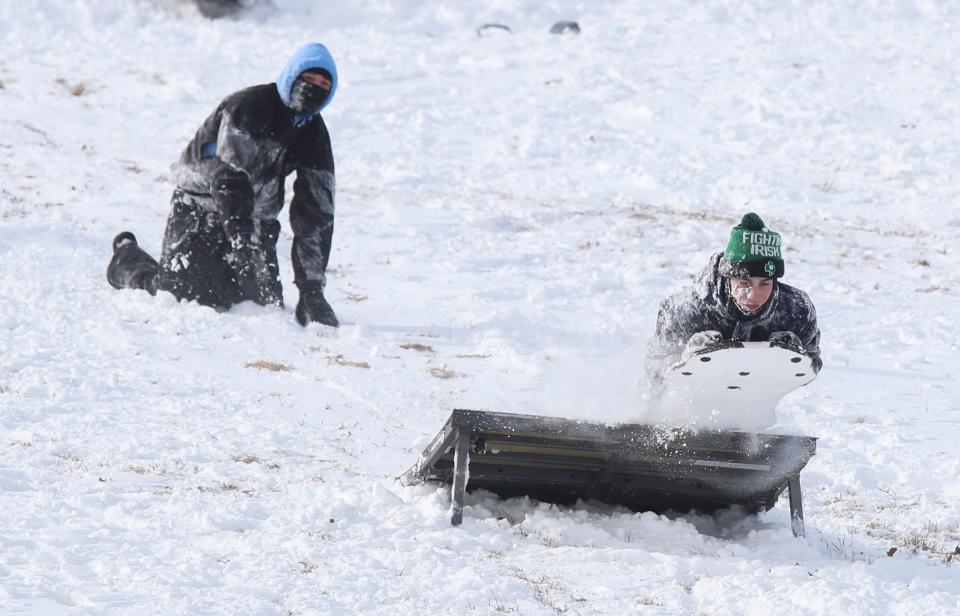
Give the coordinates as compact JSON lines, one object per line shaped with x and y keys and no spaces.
{"x":510,"y":210}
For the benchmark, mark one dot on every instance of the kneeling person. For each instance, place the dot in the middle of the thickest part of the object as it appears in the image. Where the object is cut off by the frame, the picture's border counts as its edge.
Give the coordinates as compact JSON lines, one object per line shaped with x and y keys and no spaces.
{"x":738,"y":297}
{"x":220,"y":244}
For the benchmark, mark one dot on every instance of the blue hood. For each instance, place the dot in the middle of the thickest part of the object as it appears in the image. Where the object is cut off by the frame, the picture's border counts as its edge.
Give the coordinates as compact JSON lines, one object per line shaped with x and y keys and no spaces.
{"x":309,"y":56}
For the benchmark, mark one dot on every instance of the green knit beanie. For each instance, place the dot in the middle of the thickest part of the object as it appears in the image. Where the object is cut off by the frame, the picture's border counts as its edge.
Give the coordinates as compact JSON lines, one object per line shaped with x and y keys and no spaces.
{"x":753,"y":250}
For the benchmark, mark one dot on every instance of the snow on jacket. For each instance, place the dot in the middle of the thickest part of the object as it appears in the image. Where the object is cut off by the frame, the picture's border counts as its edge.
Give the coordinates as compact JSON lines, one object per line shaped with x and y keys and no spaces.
{"x":706,"y":305}
{"x":254,"y":131}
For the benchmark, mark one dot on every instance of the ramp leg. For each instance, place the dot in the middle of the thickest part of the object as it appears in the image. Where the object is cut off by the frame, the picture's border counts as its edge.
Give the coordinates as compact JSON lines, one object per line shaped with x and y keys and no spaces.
{"x":461,"y":460}
{"x":796,"y":506}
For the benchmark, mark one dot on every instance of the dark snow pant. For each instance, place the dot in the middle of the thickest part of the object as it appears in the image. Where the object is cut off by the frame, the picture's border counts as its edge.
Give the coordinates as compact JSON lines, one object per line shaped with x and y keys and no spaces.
{"x":204,"y":256}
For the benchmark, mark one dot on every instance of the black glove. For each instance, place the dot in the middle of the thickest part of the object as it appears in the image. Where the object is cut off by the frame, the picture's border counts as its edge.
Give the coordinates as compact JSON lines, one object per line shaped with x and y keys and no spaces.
{"x":787,"y":340}
{"x":313,"y":307}
{"x":702,"y":341}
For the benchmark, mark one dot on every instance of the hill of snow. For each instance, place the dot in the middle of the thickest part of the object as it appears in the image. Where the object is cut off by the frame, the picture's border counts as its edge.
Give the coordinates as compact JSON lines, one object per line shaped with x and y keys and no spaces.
{"x":510,"y":210}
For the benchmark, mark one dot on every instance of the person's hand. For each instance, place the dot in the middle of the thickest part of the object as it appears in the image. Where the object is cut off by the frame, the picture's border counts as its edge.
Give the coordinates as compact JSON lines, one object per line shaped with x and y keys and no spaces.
{"x":787,"y":340}
{"x":313,"y":307}
{"x":701,"y":341}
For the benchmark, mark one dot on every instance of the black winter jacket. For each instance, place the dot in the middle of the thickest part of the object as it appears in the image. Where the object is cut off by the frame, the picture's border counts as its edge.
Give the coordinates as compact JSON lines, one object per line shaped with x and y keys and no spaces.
{"x":706,"y":305}
{"x":252,"y":131}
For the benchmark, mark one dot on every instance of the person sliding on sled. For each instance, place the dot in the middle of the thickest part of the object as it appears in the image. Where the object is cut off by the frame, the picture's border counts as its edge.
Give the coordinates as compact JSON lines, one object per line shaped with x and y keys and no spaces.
{"x":220,"y":244}
{"x":737,"y":297}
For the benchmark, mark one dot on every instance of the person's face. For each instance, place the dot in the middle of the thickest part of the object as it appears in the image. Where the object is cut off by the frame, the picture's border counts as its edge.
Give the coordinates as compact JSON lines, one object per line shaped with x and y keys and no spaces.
{"x":751,"y":293}
{"x":317,"y":79}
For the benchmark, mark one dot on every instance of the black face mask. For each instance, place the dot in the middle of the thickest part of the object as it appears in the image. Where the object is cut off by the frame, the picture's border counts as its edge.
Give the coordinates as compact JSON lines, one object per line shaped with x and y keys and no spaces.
{"x":306,"y":97}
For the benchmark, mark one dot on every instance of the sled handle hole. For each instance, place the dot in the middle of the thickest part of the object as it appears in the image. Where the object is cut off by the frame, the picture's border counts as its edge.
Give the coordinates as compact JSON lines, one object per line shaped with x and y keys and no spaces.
{"x":801,"y":374}
{"x":744,"y":374}
{"x":705,"y":359}
{"x":733,"y":387}
{"x":686,"y":373}
{"x":795,"y":360}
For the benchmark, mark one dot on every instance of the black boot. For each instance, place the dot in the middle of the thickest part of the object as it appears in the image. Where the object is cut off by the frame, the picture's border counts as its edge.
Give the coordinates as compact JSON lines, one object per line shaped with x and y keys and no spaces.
{"x":131,"y":267}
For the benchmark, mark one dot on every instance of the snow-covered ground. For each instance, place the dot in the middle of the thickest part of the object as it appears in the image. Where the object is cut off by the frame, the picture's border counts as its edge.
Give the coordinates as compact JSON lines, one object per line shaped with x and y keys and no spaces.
{"x":510,"y":210}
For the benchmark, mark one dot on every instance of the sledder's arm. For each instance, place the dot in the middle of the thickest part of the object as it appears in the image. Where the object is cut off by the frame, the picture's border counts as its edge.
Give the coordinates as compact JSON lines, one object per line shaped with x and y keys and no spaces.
{"x":665,"y":345}
{"x":809,"y":334}
{"x":673,"y":340}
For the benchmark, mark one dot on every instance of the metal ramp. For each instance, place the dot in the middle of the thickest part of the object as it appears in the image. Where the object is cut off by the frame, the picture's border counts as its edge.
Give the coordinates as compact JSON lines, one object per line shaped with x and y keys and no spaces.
{"x":640,"y":467}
